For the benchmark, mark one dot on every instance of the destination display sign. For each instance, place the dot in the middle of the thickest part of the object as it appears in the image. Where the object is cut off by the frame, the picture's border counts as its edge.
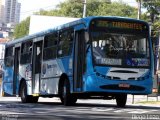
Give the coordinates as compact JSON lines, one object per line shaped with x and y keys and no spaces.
{"x":120,"y":24}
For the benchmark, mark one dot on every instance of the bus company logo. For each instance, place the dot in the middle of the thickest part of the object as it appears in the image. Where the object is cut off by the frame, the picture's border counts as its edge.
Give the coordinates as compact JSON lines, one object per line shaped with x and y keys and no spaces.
{"x":141,"y":62}
{"x":134,"y":62}
{"x":44,"y":68}
{"x":137,"y":62}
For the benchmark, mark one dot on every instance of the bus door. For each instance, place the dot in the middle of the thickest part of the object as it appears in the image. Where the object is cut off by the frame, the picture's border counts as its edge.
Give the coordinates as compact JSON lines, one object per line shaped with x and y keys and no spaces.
{"x":79,"y":60}
{"x":36,"y":64}
{"x":16,"y":69}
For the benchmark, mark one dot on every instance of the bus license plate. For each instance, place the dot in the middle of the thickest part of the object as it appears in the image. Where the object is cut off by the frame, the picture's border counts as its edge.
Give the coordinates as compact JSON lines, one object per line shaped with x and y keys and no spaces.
{"x":124,"y":85}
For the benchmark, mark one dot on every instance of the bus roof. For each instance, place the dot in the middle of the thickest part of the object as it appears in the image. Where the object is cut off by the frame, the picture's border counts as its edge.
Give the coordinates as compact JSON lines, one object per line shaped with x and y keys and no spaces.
{"x":85,"y":21}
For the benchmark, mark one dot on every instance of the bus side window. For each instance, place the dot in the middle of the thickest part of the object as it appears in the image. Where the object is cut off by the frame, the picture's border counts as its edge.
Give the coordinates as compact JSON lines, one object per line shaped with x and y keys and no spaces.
{"x":9,"y":57}
{"x":26,"y":53}
{"x":50,"y":46}
{"x":65,"y":43}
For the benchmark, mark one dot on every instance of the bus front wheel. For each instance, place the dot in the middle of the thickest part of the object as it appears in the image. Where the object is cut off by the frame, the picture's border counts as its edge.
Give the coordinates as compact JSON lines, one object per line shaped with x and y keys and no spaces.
{"x":121,"y":100}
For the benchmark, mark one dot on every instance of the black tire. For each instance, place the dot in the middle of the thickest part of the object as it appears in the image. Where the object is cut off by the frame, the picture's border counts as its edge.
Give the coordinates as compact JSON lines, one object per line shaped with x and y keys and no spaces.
{"x":66,"y":98}
{"x":121,"y":100}
{"x":23,"y":93}
{"x":73,"y":100}
{"x":33,"y":99}
{"x":26,"y":98}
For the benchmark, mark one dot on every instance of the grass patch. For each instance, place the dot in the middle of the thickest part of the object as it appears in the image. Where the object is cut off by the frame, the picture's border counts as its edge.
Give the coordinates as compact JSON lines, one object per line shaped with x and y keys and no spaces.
{"x":149,"y":102}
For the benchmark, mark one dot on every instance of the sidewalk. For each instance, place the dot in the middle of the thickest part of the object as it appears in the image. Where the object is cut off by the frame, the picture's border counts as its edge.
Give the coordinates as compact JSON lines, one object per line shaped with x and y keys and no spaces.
{"x":143,"y":100}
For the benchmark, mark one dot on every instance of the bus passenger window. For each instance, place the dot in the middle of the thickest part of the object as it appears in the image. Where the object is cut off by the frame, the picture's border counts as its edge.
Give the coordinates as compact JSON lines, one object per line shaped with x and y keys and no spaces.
{"x":9,"y":57}
{"x":50,"y":46}
{"x":26,"y":53}
{"x":65,"y":43}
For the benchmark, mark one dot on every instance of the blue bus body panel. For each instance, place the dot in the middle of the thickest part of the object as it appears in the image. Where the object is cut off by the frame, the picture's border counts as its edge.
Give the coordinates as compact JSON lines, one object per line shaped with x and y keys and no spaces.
{"x":8,"y":80}
{"x":65,"y":65}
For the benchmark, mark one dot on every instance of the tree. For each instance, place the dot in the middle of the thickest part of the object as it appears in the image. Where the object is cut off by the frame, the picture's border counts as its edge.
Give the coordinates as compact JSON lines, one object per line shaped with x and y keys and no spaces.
{"x":122,"y":9}
{"x":153,"y":8}
{"x":74,"y":8}
{"x":22,"y":29}
{"x":153,"y":11}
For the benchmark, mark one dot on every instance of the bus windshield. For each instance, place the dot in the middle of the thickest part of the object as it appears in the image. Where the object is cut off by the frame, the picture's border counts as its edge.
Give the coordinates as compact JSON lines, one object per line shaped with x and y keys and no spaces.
{"x":120,"y":47}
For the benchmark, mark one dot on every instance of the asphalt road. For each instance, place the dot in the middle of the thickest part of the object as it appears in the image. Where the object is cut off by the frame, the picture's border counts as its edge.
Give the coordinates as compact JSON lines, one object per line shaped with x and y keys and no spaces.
{"x":13,"y":109}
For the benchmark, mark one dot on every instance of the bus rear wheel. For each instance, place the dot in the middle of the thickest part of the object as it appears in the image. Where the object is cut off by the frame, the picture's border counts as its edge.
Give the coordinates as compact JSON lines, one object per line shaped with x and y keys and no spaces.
{"x":66,"y":97}
{"x":121,"y":100}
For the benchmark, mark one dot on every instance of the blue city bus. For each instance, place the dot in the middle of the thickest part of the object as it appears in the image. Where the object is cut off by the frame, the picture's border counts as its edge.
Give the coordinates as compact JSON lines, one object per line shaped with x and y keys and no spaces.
{"x":93,"y":57}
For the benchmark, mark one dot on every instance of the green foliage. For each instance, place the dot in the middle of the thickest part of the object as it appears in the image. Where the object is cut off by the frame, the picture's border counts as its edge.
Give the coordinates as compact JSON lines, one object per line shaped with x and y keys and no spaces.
{"x":122,"y":9}
{"x":153,"y":13}
{"x":22,"y":29}
{"x":152,"y":6}
{"x":156,"y":28}
{"x":74,"y":8}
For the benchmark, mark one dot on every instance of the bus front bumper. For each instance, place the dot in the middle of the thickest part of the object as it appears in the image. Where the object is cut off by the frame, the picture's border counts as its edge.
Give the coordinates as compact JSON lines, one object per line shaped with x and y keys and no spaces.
{"x":98,"y":84}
